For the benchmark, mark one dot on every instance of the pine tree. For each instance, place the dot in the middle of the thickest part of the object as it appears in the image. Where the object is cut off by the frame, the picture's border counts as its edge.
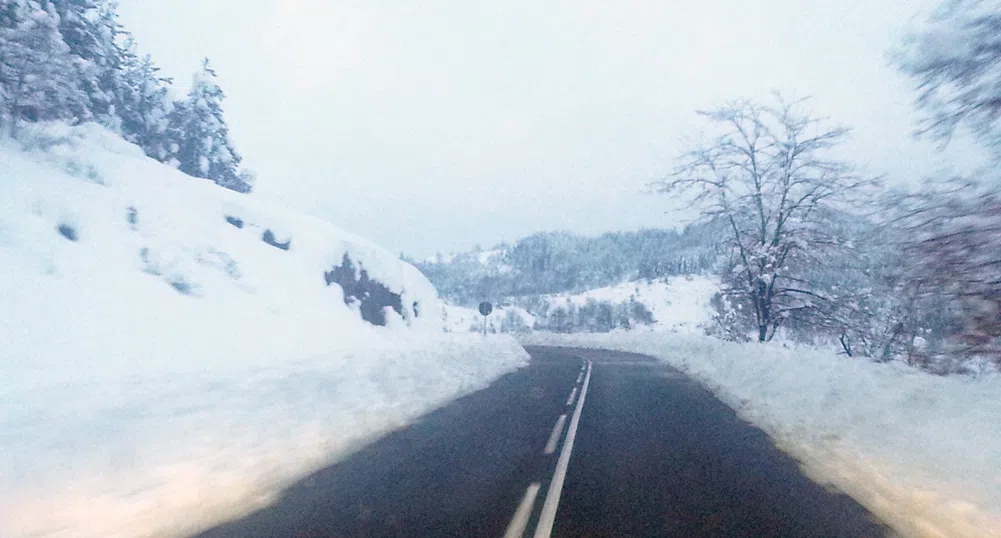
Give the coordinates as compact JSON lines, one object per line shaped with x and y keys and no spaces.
{"x":143,"y":104}
{"x":90,"y":29}
{"x":37,"y":79}
{"x":201,"y":134}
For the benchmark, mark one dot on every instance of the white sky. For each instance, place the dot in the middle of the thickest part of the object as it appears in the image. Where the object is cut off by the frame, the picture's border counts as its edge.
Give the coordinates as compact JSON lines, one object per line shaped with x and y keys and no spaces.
{"x":440,"y":124}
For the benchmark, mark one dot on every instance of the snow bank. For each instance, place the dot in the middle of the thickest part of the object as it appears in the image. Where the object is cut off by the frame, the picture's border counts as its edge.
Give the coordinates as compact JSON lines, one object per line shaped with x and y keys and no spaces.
{"x":172,"y":352}
{"x":166,"y":452}
{"x":921,"y":451}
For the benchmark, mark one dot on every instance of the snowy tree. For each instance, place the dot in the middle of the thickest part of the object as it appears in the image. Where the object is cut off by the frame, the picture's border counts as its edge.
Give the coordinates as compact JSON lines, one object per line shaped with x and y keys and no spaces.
{"x":955,"y":60}
{"x":67,"y":60}
{"x":556,"y":262}
{"x":37,"y":79}
{"x":954,"y":226}
{"x":513,"y":323}
{"x":964,"y":253}
{"x":245,"y":180}
{"x":768,"y":172}
{"x":90,"y":29}
{"x":202,"y":136}
{"x":876,"y":313}
{"x":952,"y":232}
{"x":144,"y":105}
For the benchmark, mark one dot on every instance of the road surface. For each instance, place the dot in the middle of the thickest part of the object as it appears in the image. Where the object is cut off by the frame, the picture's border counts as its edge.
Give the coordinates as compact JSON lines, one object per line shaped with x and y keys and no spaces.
{"x":577,"y":444}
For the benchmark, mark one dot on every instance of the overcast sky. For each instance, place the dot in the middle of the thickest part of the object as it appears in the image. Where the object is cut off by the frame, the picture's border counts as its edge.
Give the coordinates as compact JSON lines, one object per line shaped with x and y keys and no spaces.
{"x":439,"y":124}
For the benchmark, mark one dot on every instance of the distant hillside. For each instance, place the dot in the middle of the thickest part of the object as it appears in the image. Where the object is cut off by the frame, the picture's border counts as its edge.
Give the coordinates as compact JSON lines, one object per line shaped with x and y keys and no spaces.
{"x":561,"y":262}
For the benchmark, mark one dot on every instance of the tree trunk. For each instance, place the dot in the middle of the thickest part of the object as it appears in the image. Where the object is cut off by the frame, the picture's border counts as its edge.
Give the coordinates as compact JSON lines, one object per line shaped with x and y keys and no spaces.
{"x":764,"y":301}
{"x":845,"y":344}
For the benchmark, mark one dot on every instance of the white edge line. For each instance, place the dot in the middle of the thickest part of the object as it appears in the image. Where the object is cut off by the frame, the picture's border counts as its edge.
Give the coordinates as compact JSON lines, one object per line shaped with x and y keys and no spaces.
{"x":573,"y":393}
{"x":548,"y":516}
{"x":554,"y":438}
{"x":516,"y":528}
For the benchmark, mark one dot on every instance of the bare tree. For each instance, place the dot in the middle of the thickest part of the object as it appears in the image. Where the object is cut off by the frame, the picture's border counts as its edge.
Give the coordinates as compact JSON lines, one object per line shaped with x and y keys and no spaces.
{"x":769,"y":174}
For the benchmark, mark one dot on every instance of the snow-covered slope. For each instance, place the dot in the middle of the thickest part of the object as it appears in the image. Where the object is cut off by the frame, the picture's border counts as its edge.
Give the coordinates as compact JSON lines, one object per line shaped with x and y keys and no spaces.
{"x":921,"y":451}
{"x":172,"y":352}
{"x":679,"y":305}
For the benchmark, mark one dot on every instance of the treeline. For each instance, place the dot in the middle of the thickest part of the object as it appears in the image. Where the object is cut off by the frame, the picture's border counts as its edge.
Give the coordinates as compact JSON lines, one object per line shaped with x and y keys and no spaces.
{"x":560,"y":262}
{"x":593,"y":316}
{"x":72,"y":61}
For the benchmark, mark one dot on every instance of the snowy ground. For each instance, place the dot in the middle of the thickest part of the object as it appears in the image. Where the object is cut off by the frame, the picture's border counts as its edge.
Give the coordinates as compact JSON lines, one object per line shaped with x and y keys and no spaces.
{"x":679,"y":305}
{"x":165,"y":365}
{"x":168,"y":451}
{"x":921,"y":451}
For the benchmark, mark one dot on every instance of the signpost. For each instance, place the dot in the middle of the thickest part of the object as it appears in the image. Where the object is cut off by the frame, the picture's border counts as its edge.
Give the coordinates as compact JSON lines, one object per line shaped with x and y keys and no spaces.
{"x":485,"y":309}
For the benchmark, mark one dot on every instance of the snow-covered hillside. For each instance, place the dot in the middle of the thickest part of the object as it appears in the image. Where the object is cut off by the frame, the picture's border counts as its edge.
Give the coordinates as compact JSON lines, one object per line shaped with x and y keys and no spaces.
{"x":681,"y":304}
{"x":921,"y":451}
{"x":173,"y":352}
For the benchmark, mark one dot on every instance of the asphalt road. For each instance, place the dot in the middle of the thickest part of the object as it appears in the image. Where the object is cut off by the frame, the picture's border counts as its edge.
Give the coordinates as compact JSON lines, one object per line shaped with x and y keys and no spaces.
{"x":577,"y":444}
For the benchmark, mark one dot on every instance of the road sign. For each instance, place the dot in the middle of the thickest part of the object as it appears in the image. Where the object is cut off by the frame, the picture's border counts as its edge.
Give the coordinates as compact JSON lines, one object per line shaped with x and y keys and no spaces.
{"x":485,"y":308}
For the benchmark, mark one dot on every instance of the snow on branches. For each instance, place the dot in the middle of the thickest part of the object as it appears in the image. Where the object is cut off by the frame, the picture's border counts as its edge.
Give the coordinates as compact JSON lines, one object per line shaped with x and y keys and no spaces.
{"x":769,"y":173}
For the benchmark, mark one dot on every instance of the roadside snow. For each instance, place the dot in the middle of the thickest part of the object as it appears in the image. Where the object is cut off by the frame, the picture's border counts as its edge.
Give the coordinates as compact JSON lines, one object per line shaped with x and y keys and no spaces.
{"x":172,"y":354}
{"x":923,"y":452}
{"x":169,"y":451}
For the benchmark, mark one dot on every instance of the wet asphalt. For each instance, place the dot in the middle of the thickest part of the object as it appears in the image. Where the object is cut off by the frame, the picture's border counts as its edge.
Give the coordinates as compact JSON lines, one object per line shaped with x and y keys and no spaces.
{"x":654,"y":454}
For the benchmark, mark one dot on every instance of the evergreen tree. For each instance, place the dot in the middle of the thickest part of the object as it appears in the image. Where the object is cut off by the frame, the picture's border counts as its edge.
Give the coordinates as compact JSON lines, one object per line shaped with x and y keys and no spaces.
{"x":37,"y":79}
{"x":144,"y":106}
{"x":90,"y":29}
{"x":202,"y":137}
{"x":63,"y":60}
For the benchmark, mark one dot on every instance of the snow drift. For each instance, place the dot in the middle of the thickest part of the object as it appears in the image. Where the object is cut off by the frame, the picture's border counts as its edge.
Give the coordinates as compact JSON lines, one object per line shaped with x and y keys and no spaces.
{"x":923,"y":452}
{"x":174,"y":353}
